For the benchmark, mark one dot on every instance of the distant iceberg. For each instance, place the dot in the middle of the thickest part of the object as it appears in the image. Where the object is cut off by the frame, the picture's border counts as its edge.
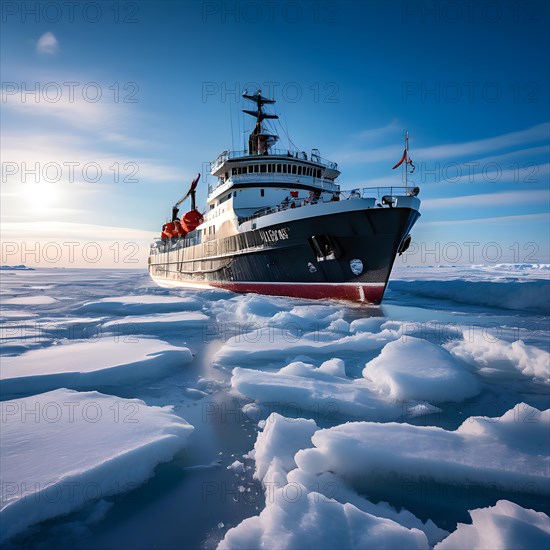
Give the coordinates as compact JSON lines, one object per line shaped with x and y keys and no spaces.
{"x":16,"y":267}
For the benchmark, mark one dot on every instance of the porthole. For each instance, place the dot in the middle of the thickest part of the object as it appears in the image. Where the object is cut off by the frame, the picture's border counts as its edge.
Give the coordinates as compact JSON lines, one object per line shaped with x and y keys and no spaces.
{"x":356,"y":266}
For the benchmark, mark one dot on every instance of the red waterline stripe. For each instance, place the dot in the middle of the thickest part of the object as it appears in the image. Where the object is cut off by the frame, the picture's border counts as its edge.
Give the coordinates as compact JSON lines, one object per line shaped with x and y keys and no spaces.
{"x":370,"y":293}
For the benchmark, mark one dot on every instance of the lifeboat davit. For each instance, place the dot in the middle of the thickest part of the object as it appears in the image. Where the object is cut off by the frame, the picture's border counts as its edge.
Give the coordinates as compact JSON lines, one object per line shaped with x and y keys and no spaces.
{"x":191,"y":220}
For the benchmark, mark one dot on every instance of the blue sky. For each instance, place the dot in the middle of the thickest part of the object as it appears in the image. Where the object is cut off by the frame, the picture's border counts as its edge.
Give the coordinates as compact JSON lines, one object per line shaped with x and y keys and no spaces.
{"x":469,"y":81}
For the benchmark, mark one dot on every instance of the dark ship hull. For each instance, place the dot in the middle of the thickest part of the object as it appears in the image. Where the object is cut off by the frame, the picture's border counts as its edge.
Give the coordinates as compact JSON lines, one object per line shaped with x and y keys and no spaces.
{"x":345,"y":255}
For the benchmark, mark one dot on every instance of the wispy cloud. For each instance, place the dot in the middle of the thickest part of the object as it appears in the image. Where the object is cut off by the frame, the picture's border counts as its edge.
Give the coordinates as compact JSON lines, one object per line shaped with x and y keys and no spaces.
{"x":540,"y":132}
{"x":18,"y":230}
{"x":489,"y":199}
{"x":63,"y":149}
{"x":461,"y":174}
{"x":47,"y":44}
{"x":375,"y":134}
{"x":451,"y":151}
{"x":520,"y":218}
{"x":103,"y":117}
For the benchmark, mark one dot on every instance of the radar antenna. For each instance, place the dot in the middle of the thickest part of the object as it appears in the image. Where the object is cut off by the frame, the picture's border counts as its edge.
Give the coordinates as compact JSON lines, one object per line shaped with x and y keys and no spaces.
{"x":259,"y":140}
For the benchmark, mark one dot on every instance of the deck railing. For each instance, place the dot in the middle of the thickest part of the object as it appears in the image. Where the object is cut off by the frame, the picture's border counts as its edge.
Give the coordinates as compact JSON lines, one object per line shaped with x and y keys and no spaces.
{"x":284,"y":179}
{"x":351,"y":194}
{"x":160,"y":246}
{"x":299,"y":155}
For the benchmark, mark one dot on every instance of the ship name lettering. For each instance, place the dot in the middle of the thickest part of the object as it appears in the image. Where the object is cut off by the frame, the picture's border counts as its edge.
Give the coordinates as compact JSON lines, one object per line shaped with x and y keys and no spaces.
{"x":275,"y":235}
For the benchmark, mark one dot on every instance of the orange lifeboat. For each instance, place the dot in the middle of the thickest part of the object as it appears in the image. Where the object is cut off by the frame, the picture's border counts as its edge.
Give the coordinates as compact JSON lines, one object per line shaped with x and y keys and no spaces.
{"x":168,"y":230}
{"x":191,"y":220}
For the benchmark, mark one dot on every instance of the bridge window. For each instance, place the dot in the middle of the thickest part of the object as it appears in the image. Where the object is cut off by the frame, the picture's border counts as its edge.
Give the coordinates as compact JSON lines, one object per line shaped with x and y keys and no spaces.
{"x":262,"y":193}
{"x":256,"y":168}
{"x":278,"y":168}
{"x":293,"y":168}
{"x":284,"y":168}
{"x":299,"y":170}
{"x":262,"y":167}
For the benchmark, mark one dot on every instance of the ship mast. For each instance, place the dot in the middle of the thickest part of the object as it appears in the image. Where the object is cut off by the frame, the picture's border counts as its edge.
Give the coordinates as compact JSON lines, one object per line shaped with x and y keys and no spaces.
{"x":407,"y":162}
{"x":259,"y":141}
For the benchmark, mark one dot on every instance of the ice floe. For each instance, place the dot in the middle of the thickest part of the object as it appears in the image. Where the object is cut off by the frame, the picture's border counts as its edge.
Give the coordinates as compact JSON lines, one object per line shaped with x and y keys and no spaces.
{"x":496,"y":358}
{"x":157,"y":323}
{"x":63,"y":449}
{"x":503,"y":526}
{"x":90,"y":365}
{"x":532,"y":295}
{"x":271,"y":346}
{"x":406,"y":375}
{"x":300,"y":512}
{"x":143,"y":304}
{"x":38,"y":300}
{"x":414,"y":369}
{"x":510,"y":452}
{"x":303,"y":388}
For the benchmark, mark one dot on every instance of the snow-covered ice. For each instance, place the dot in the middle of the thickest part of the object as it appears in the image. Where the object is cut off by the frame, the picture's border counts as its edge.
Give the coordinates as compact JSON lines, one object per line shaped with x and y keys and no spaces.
{"x":522,"y":287}
{"x":312,"y":521}
{"x":501,"y":527}
{"x":63,"y":448}
{"x":496,"y":358}
{"x":142,"y":304}
{"x":414,"y":369}
{"x":444,"y":386}
{"x":300,"y":511}
{"x":90,"y":364}
{"x":303,"y":387}
{"x":484,"y":451}
{"x":29,"y":301}
{"x":410,"y":371}
{"x":271,"y":346}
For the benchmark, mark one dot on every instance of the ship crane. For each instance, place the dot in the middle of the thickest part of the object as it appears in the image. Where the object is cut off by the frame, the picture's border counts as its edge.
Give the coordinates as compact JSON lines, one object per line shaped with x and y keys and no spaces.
{"x":192,"y":192}
{"x":189,"y":221}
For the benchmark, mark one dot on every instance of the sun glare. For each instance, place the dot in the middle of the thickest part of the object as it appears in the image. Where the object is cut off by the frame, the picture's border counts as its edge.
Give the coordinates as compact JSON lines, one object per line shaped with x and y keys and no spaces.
{"x":39,"y":196}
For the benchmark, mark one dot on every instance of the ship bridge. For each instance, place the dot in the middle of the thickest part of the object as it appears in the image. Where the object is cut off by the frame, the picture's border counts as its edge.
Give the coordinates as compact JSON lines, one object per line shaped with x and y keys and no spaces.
{"x":263,"y":176}
{"x":275,"y":172}
{"x":280,"y":168}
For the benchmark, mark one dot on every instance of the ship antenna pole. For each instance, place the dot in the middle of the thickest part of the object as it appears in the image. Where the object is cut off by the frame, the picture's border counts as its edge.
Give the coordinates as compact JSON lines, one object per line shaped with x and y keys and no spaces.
{"x":407,"y":162}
